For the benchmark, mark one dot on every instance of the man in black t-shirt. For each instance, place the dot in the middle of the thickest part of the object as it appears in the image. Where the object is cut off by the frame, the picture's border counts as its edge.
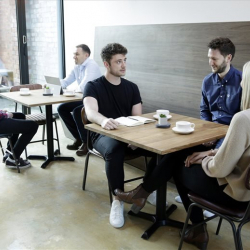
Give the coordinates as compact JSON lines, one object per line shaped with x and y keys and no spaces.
{"x":106,"y":99}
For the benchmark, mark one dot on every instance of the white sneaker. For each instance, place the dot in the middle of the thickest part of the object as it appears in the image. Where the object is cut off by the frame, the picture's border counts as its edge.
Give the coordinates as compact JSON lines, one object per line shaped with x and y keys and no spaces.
{"x":116,"y":218}
{"x":207,"y":214}
{"x":178,"y":199}
{"x":152,"y":199}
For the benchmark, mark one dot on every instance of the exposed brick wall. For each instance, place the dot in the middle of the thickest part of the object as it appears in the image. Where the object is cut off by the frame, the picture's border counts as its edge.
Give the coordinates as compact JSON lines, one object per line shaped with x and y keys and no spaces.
{"x":41,"y":25}
{"x":8,"y":38}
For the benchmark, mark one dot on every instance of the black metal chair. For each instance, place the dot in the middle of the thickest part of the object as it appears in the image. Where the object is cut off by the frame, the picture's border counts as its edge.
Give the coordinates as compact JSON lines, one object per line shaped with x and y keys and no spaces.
{"x":8,"y":137}
{"x":92,"y":151}
{"x":39,"y":118}
{"x":239,"y":214}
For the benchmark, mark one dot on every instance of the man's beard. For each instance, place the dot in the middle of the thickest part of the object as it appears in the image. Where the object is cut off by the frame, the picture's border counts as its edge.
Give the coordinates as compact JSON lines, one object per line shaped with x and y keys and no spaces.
{"x":221,"y":68}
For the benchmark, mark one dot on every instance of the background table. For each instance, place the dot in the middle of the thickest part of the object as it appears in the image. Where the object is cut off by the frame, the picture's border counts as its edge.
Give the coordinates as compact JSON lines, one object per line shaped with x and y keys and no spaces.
{"x":163,"y":141}
{"x":36,"y":98}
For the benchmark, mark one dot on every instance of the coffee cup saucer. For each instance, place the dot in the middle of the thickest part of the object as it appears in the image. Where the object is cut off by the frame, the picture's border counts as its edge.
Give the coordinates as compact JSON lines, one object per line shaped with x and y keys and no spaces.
{"x":183,"y":132}
{"x":157,"y":116}
{"x":24,"y":93}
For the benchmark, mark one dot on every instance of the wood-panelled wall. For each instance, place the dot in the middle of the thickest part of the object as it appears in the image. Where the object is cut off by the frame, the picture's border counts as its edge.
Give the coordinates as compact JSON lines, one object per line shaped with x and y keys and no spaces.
{"x":169,"y":61}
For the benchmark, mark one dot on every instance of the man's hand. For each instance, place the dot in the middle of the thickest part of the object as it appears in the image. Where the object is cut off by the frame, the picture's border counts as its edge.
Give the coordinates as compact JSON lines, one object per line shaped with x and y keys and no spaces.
{"x":109,"y":124}
{"x":209,"y":144}
{"x":196,"y":158}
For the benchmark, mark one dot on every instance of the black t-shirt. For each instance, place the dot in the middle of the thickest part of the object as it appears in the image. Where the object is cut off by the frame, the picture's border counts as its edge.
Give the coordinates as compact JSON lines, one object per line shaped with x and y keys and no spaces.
{"x":113,"y":100}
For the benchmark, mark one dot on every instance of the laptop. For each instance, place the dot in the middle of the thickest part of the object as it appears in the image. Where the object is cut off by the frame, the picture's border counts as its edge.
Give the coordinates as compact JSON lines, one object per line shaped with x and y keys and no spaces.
{"x":54,"y":84}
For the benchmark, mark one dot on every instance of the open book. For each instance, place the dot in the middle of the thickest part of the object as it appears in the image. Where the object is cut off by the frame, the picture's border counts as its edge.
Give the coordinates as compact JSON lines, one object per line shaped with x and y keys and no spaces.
{"x":133,"y":120}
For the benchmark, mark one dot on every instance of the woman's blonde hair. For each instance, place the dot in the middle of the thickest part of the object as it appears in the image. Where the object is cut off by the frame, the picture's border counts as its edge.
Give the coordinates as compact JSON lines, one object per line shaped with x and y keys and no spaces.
{"x":245,"y":84}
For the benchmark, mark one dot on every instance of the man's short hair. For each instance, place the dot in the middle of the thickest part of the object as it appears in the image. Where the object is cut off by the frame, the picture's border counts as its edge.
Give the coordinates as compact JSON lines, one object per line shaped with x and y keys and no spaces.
{"x":224,"y":45}
{"x":84,"y":47}
{"x":112,"y":49}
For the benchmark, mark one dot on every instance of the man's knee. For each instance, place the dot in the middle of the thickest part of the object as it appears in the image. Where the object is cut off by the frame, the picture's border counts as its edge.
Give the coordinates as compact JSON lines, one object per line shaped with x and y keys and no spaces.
{"x":60,"y":108}
{"x":115,"y":150}
{"x":19,"y":115}
{"x":77,"y":112}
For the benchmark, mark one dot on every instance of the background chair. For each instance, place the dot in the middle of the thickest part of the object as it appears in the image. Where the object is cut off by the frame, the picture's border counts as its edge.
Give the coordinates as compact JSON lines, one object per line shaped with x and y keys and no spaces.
{"x":92,"y":151}
{"x":39,"y":118}
{"x":8,"y":137}
{"x":239,"y":214}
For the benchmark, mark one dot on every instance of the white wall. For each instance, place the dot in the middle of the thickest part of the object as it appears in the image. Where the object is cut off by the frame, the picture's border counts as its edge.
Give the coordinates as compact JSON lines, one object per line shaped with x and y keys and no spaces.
{"x":81,"y":17}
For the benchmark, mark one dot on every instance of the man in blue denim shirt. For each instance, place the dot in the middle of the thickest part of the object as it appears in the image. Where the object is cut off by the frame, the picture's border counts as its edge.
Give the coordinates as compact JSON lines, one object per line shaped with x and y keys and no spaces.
{"x":221,"y":90}
{"x":221,"y":95}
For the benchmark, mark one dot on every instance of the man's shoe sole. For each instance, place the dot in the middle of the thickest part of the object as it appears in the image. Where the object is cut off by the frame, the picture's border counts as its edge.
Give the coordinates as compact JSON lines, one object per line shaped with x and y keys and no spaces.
{"x":81,"y":153}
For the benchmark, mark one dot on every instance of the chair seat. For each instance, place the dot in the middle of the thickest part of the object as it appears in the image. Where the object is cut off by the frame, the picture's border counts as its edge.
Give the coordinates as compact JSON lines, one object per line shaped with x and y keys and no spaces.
{"x":39,"y":118}
{"x":237,"y":212}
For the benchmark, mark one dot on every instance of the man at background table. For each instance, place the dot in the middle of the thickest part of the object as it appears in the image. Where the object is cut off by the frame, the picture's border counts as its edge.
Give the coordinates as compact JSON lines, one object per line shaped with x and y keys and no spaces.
{"x":85,"y":70}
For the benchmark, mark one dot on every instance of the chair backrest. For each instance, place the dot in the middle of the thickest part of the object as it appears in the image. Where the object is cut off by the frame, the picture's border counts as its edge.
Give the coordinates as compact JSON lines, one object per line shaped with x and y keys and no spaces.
{"x":30,"y":86}
{"x":85,"y":121}
{"x":84,"y":117}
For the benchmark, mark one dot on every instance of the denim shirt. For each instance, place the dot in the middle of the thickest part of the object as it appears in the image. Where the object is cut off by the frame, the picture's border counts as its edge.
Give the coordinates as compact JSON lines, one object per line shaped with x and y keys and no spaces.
{"x":221,"y":98}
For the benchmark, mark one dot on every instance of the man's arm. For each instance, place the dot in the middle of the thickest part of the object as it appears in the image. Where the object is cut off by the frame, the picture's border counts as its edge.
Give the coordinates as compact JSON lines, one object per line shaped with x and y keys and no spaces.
{"x":91,"y":108}
{"x":205,"y":113}
{"x":68,"y":80}
{"x":137,"y":109}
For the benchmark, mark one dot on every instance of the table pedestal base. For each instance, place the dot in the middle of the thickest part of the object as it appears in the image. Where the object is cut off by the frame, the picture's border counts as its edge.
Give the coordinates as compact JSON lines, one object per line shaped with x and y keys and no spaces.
{"x":56,"y":158}
{"x":157,"y":222}
{"x":47,"y":160}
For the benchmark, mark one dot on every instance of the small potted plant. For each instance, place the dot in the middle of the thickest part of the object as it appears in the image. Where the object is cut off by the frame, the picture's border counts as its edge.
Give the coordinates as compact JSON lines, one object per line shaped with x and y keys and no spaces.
{"x":163,"y":120}
{"x":47,"y":90}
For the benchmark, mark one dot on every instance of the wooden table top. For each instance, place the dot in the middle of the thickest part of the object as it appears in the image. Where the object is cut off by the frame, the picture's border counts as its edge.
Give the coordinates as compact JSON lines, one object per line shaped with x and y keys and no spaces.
{"x":36,"y":98}
{"x":163,"y":141}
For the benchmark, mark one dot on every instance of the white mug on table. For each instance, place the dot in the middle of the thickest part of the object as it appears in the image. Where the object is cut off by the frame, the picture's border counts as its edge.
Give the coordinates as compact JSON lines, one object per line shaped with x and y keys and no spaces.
{"x":184,"y":125}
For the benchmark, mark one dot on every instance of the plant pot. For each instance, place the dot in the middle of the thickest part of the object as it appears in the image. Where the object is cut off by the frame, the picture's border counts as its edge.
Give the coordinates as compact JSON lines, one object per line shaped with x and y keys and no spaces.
{"x":163,"y":121}
{"x":47,"y":91}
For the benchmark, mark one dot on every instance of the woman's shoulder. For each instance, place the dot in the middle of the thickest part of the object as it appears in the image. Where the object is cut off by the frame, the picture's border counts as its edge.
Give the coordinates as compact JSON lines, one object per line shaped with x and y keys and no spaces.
{"x":245,"y":114}
{"x":241,"y":119}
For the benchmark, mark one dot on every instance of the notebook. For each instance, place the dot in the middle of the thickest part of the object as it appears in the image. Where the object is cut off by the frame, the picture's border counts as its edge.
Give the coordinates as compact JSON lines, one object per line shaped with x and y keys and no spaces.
{"x":131,"y":121}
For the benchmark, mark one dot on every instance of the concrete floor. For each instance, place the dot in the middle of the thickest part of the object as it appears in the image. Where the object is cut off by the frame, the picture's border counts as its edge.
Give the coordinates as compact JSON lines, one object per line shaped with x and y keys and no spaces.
{"x":47,"y":209}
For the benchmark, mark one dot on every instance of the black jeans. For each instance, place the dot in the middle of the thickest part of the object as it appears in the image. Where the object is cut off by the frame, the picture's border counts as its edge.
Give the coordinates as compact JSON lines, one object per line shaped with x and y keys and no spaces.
{"x":113,"y":152}
{"x":18,"y":125}
{"x":73,"y":121}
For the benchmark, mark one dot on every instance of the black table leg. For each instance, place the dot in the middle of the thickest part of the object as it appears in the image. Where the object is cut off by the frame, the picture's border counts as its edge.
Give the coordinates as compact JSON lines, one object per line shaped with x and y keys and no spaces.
{"x":50,"y":142}
{"x":161,"y":218}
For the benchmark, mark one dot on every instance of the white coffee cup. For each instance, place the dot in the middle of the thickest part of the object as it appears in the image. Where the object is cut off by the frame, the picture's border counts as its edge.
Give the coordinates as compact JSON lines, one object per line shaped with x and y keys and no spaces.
{"x":24,"y":90}
{"x":184,"y":126}
{"x":162,"y":111}
{"x":69,"y":92}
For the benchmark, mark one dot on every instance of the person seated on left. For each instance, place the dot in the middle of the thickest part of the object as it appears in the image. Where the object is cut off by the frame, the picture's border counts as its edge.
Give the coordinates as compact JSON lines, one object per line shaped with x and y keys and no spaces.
{"x":15,"y":123}
{"x":85,"y":70}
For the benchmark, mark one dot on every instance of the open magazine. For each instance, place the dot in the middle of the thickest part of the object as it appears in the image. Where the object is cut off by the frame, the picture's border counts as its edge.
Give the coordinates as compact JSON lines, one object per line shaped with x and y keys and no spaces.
{"x":131,"y":121}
